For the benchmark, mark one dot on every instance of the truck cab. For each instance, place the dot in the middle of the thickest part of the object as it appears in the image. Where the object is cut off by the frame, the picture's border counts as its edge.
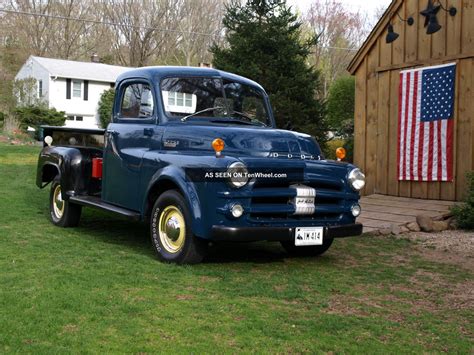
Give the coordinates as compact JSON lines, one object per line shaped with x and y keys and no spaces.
{"x":195,"y":153}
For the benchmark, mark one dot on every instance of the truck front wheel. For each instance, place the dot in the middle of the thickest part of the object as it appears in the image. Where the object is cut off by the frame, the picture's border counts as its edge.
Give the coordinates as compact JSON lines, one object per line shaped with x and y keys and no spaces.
{"x":307,"y":251}
{"x":62,"y":213}
{"x":171,"y":233}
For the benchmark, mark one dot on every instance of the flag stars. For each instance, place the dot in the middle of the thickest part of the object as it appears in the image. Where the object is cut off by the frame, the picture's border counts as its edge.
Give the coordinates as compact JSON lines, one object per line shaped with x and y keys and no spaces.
{"x":437,"y":93}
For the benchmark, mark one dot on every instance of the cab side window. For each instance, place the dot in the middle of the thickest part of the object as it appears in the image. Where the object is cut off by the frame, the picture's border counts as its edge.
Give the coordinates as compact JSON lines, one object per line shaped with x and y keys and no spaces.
{"x":137,"y":101}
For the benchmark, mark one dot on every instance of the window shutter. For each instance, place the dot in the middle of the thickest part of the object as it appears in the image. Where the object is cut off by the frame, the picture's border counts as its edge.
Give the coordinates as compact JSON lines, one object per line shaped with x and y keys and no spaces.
{"x":68,"y":89}
{"x":86,"y":90}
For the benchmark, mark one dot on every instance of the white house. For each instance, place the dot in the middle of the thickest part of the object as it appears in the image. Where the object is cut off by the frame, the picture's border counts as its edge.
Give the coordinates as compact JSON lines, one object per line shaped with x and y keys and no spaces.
{"x":72,"y":87}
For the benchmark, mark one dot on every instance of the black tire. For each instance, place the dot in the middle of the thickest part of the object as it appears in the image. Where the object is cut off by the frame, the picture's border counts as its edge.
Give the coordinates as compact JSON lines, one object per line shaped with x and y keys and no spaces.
{"x":171,"y":211}
{"x":69,"y":214}
{"x":314,"y":250}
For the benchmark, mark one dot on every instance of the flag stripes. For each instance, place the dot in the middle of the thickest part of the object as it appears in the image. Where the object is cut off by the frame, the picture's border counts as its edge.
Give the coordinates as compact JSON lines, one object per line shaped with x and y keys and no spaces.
{"x":425,"y":147}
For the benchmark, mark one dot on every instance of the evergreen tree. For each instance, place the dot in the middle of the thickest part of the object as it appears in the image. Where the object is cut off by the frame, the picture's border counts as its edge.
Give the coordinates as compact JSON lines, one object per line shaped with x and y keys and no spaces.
{"x":265,"y":43}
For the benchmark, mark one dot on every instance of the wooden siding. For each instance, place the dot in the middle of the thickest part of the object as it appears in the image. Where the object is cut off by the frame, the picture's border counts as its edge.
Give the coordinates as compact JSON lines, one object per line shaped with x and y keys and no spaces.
{"x":377,"y":87}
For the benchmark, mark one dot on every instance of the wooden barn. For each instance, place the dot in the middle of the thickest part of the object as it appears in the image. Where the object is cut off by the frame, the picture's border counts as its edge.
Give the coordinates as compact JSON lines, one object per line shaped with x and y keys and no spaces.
{"x":377,"y":68}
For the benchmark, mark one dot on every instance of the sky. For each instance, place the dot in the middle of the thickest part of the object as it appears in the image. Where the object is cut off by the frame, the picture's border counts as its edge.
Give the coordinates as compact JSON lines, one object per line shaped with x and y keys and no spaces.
{"x":363,"y":5}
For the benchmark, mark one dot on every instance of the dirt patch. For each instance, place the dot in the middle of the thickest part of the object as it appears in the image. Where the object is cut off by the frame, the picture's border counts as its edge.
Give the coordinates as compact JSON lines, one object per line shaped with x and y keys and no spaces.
{"x":70,"y":328}
{"x":425,"y":290}
{"x":462,"y":296}
{"x":451,"y":247}
{"x":184,"y":297}
{"x":346,"y":305}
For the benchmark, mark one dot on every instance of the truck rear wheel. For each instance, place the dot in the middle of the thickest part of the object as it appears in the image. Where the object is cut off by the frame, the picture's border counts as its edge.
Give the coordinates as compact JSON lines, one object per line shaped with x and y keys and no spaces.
{"x":307,"y":251}
{"x":171,"y":233}
{"x":62,"y":213}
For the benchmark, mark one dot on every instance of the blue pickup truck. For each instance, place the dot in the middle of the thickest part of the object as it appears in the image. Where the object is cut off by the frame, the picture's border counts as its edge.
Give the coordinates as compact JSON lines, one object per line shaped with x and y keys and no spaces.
{"x":195,"y":153}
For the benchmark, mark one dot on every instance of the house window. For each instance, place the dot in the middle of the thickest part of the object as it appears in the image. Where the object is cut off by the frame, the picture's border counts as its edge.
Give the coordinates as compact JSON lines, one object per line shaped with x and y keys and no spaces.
{"x":180,"y":99}
{"x":40,"y":88}
{"x":75,"y":118}
{"x":77,"y":88}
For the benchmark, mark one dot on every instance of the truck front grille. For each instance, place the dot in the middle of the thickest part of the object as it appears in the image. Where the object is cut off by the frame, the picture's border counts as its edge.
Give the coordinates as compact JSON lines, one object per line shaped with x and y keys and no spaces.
{"x":271,"y":202}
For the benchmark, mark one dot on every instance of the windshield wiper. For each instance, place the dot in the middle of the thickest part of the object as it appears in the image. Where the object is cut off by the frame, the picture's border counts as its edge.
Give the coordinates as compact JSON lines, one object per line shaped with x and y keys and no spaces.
{"x":232,"y":120}
{"x":202,"y":111}
{"x":250,"y":119}
{"x":243,"y":115}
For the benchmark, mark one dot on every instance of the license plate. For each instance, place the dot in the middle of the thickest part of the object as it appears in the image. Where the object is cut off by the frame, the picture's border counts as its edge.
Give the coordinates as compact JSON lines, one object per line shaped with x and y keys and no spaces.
{"x":309,"y":236}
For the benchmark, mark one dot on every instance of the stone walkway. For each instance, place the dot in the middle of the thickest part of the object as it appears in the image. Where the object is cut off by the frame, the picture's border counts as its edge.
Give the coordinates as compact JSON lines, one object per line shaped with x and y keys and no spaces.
{"x":381,"y":212}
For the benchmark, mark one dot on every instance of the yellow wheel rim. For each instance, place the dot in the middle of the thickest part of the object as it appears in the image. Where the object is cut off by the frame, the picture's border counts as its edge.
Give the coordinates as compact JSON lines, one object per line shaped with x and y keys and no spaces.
{"x":58,"y":202}
{"x":172,"y":229}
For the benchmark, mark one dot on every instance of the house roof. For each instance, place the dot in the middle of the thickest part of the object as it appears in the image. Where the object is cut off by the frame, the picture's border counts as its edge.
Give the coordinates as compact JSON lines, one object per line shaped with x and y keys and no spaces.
{"x":378,"y":30}
{"x":81,"y":70}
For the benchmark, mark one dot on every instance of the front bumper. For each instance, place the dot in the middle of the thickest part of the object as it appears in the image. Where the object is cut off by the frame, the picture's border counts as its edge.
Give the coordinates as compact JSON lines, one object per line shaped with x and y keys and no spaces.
{"x":253,"y":234}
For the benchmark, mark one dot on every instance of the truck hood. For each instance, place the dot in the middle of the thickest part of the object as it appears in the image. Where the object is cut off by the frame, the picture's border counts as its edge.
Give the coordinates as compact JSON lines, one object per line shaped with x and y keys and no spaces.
{"x":243,"y":141}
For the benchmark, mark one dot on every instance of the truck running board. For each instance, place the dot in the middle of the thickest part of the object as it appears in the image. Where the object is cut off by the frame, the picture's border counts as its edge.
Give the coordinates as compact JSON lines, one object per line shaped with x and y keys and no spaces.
{"x":96,"y":202}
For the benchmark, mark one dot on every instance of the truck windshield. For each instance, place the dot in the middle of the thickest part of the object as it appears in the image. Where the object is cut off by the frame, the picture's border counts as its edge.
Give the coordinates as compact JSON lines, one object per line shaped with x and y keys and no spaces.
{"x":213,"y":98}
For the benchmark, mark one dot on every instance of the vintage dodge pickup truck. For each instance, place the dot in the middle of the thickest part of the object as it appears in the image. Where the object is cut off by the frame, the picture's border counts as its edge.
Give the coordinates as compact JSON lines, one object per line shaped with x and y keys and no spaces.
{"x":195,"y":153}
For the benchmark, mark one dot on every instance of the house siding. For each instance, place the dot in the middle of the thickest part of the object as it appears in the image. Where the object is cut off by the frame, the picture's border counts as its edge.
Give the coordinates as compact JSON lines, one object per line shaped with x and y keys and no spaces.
{"x":77,"y":106}
{"x":55,"y":73}
{"x":32,"y":69}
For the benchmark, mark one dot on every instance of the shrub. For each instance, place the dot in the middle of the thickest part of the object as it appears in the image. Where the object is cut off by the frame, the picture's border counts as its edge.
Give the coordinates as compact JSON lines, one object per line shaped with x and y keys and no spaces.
{"x":464,"y":213}
{"x":340,"y":104}
{"x":331,"y":146}
{"x":106,"y":104}
{"x":349,"y":147}
{"x":35,"y":116}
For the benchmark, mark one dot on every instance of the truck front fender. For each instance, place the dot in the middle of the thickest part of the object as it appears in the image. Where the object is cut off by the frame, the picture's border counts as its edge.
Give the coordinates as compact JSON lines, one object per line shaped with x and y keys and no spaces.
{"x":172,"y":177}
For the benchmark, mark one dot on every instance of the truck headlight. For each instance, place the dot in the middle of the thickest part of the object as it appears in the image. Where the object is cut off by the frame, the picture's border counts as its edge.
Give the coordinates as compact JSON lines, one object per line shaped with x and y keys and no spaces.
{"x":356,"y":179}
{"x":238,"y":174}
{"x":356,"y":210}
{"x":237,"y":210}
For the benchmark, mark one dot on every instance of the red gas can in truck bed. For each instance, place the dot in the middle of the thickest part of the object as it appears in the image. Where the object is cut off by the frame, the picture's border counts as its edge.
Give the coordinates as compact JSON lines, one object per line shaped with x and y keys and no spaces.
{"x":97,"y":168}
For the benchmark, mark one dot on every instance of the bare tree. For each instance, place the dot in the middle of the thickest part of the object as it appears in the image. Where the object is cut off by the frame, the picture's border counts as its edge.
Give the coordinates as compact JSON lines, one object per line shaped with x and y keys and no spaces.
{"x":72,"y":36}
{"x":31,"y":32}
{"x":200,"y":25}
{"x":50,"y":27}
{"x":340,"y":33}
{"x":142,"y":28}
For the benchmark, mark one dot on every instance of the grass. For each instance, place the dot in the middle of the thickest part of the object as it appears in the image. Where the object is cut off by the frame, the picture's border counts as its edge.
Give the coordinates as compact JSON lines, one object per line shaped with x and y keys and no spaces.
{"x":98,"y":288}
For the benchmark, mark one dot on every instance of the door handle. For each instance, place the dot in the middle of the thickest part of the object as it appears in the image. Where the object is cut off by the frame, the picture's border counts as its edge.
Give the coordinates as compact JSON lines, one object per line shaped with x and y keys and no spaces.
{"x":148,"y":132}
{"x":110,"y":139}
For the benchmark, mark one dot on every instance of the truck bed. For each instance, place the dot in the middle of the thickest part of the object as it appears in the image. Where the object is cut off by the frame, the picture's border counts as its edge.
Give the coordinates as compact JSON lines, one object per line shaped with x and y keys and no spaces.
{"x":74,"y":137}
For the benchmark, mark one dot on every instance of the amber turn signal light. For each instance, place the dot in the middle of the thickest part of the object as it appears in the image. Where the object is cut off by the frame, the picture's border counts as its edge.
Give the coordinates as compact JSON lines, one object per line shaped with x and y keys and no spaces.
{"x":218,"y":146}
{"x":340,"y":153}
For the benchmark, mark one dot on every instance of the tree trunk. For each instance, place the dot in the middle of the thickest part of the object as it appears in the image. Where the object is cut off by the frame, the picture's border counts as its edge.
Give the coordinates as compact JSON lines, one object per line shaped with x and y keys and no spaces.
{"x":10,"y":124}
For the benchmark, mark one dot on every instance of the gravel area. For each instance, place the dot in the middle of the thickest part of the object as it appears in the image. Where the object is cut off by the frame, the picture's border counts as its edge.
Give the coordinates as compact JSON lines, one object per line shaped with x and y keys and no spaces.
{"x":451,"y":246}
{"x":461,"y":242}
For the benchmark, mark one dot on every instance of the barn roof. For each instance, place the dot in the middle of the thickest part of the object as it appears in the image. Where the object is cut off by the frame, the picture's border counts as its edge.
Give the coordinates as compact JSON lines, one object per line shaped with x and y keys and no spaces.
{"x":378,"y":30}
{"x":81,"y":70}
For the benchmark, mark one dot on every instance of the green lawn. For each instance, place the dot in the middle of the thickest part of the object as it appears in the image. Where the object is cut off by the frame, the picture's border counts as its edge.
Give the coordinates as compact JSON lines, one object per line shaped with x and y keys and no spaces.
{"x":98,"y":288}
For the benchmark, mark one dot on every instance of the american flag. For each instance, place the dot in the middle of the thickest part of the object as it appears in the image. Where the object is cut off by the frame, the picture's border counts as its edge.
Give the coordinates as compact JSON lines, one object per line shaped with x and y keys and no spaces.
{"x":425,"y":124}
